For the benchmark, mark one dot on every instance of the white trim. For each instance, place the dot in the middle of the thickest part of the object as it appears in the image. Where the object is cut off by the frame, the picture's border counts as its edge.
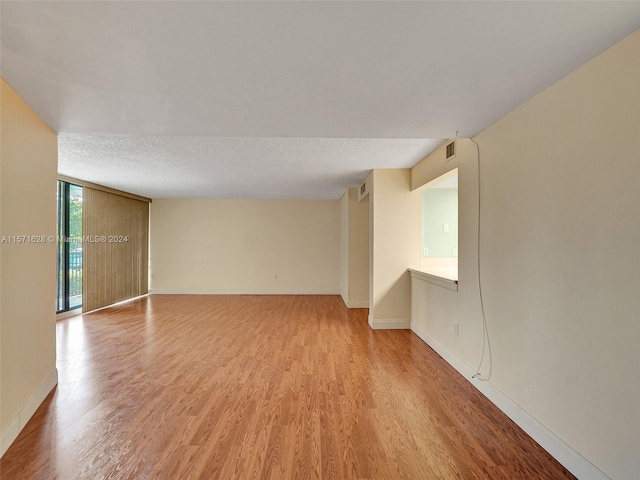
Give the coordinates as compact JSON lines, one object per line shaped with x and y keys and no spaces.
{"x":554,"y":445}
{"x":361,"y":304}
{"x":18,"y":422}
{"x":10,"y":434}
{"x":388,"y":324}
{"x":356,"y":304}
{"x":344,"y":299}
{"x":68,"y":314}
{"x":171,"y":291}
{"x":448,"y":283}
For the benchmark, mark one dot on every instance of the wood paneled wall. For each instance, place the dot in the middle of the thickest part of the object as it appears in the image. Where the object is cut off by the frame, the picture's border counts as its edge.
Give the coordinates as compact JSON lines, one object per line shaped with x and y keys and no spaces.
{"x":115,"y":248}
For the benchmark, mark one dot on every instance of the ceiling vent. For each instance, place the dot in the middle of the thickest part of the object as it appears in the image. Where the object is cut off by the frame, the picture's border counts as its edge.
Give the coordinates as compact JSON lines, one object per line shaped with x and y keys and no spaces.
{"x":451,"y":151}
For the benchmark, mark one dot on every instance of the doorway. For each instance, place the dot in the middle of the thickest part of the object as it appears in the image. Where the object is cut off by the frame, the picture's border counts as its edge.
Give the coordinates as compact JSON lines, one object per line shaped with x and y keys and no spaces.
{"x":69,"y":237}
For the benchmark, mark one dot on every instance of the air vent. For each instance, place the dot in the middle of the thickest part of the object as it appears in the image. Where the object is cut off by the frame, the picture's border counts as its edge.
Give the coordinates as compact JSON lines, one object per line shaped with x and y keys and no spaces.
{"x":363,"y":190}
{"x":451,"y":151}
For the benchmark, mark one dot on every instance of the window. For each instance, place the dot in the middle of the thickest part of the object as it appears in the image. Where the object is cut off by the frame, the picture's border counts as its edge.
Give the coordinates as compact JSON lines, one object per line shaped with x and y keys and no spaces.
{"x":69,"y":234}
{"x":440,"y":226}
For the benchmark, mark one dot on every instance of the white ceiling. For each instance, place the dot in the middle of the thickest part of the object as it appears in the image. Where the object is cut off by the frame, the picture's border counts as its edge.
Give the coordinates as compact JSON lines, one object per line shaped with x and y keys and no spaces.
{"x":234,"y":167}
{"x":283,"y":99}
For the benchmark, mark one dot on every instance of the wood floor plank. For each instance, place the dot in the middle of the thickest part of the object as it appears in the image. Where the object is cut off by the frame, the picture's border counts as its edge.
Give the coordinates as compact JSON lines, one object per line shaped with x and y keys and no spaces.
{"x":265,"y":387}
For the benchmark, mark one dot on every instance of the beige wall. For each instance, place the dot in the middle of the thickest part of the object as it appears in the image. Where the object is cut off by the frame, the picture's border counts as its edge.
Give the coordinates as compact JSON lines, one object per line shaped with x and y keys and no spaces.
{"x":245,"y":246}
{"x":354,"y":249}
{"x":358,"y":250}
{"x":395,"y":239}
{"x":29,"y":162}
{"x":344,"y":247}
{"x":560,"y":259}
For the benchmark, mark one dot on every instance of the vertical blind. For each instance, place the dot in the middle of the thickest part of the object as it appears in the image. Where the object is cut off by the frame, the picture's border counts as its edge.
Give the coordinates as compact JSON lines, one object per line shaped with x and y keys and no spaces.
{"x":115,"y":248}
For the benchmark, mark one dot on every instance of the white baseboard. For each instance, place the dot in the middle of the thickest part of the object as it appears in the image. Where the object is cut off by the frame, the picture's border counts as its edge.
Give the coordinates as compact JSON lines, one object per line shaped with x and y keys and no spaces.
{"x":344,"y":299}
{"x":363,"y":304}
{"x":388,"y":324}
{"x":557,"y":448}
{"x":354,"y":304}
{"x":26,"y":412}
{"x":68,"y":314}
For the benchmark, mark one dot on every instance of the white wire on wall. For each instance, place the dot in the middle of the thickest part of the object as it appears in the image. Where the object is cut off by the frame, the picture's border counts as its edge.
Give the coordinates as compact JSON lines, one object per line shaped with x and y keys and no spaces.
{"x":486,"y":342}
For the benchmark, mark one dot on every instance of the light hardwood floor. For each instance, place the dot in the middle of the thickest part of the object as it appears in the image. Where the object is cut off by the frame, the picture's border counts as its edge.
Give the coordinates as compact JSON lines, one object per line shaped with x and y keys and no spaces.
{"x":241,"y":387}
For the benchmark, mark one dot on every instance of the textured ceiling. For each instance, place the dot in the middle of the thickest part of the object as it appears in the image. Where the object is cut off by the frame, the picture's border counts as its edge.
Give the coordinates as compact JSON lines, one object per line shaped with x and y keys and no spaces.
{"x":170,"y":167}
{"x":283,"y":99}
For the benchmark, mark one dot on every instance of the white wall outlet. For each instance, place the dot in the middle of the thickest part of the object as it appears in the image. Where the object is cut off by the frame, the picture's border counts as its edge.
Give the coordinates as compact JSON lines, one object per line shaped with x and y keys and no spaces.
{"x":425,"y":252}
{"x":445,"y":228}
{"x":454,"y":252}
{"x":456,"y":329}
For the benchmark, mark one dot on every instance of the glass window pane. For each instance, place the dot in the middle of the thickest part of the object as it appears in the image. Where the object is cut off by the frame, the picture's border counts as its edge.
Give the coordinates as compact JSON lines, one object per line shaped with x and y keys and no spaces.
{"x":69,"y":252}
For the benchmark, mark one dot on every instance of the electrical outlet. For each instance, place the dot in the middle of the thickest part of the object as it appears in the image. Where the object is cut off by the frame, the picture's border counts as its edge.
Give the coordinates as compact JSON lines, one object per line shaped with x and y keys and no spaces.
{"x":456,"y":329}
{"x":425,"y":252}
{"x":454,"y":252}
{"x":445,"y":228}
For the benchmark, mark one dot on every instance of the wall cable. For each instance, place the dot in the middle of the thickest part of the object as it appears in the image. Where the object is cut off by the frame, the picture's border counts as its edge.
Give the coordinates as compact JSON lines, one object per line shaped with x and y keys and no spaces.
{"x":486,"y":342}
